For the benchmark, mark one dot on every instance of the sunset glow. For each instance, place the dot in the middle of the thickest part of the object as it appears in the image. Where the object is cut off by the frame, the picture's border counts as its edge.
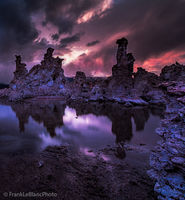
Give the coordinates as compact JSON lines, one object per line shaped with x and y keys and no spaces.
{"x":155,"y":63}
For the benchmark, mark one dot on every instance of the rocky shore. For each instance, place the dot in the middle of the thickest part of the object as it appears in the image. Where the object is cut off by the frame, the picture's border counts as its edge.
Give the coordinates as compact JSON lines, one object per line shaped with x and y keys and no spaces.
{"x":72,"y":175}
{"x":168,"y":160}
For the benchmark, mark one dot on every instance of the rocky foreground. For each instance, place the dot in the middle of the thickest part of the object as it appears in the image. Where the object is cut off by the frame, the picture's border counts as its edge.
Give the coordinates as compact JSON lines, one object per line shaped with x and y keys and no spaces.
{"x":70,"y":175}
{"x":125,"y":87}
{"x":168,"y":159}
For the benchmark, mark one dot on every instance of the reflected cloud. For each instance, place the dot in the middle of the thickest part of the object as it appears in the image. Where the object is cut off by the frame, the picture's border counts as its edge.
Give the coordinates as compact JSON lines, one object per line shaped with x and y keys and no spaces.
{"x":47,"y":140}
{"x":87,"y":152}
{"x":86,"y":122}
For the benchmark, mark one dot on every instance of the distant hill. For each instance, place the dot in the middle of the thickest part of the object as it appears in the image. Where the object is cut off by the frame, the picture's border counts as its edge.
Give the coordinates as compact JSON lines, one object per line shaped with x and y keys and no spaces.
{"x":2,"y":86}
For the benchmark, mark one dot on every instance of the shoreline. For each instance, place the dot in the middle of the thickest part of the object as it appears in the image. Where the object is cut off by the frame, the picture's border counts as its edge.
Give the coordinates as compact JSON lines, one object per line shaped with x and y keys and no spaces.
{"x":75,"y":175}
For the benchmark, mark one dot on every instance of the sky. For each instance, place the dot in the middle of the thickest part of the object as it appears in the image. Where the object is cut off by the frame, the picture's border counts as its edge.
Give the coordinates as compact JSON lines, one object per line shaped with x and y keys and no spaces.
{"x":84,"y":32}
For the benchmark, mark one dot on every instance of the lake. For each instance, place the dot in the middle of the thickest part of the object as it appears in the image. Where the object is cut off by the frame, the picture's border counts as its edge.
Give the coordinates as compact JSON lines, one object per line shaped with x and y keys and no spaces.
{"x":31,"y":127}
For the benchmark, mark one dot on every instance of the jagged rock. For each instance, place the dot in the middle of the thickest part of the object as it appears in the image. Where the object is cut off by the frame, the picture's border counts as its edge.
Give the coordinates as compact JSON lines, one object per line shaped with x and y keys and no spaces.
{"x":175,"y":72}
{"x":167,"y":161}
{"x":49,"y":54}
{"x":177,"y":89}
{"x":181,"y":99}
{"x":21,"y":70}
{"x":145,"y":81}
{"x":122,"y":51}
{"x":125,"y":62}
{"x":81,"y":85}
{"x":80,"y":77}
{"x":96,"y":93}
{"x":47,"y":79}
{"x":50,"y":67}
{"x":2,"y":86}
{"x":121,"y":81}
{"x":43,"y":79}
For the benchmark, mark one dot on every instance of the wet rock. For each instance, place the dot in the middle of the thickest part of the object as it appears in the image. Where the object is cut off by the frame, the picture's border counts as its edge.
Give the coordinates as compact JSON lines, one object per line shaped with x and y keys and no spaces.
{"x":40,"y":163}
{"x":167,"y":161}
{"x":181,"y":99}
{"x":96,"y":93}
{"x":177,"y":89}
{"x":178,"y":160}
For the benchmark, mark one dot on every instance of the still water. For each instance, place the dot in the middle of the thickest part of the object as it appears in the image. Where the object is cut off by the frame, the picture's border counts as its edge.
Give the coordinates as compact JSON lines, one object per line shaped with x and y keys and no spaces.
{"x":31,"y":127}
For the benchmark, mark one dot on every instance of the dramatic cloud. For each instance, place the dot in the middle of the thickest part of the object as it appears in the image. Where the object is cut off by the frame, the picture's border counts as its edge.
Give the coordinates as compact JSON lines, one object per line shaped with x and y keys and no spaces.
{"x":68,"y":40}
{"x":16,"y":28}
{"x":89,"y":44}
{"x":55,"y":36}
{"x":155,"y":30}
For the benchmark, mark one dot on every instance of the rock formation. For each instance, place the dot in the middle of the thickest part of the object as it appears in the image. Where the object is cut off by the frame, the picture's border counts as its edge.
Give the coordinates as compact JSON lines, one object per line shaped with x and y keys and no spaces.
{"x":51,"y":65}
{"x":123,"y":70}
{"x":80,"y":78}
{"x":168,"y":160}
{"x":21,"y":70}
{"x":46,"y":78}
{"x":175,"y":72}
{"x":125,"y":62}
{"x":145,"y":82}
{"x":124,"y":86}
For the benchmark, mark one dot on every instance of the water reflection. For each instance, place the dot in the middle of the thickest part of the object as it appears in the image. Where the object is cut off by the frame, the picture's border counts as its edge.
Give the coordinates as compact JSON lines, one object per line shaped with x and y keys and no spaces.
{"x":31,"y":127}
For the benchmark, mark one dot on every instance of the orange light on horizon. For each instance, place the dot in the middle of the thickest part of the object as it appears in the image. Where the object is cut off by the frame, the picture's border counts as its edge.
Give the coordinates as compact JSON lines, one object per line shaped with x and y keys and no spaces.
{"x":155,"y":64}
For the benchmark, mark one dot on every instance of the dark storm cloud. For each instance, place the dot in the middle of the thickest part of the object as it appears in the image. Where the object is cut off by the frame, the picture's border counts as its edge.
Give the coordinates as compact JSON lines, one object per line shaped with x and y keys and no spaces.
{"x":16,"y":28}
{"x":71,"y":39}
{"x":64,"y":14}
{"x":93,"y":43}
{"x":162,"y":30}
{"x":55,"y":36}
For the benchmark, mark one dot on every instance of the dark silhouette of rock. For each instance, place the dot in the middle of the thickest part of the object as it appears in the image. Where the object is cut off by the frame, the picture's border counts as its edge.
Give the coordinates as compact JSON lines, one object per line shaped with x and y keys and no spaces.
{"x":124,"y":86}
{"x":44,"y":79}
{"x":2,"y":86}
{"x":121,"y":51}
{"x":50,"y":63}
{"x":80,"y":77}
{"x":125,"y":62}
{"x":122,"y":81}
{"x":49,"y":54}
{"x":21,"y":70}
{"x":145,"y":81}
{"x":175,"y":72}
